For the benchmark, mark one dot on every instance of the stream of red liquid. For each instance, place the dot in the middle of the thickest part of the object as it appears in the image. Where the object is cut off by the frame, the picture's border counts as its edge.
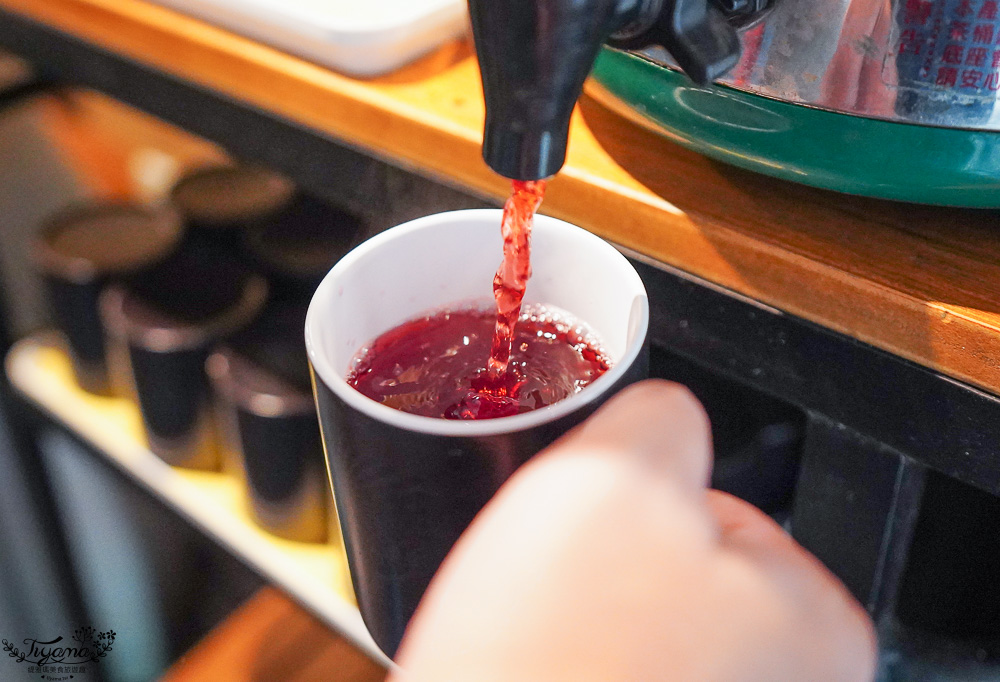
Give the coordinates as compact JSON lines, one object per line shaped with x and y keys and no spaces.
{"x":515,"y":270}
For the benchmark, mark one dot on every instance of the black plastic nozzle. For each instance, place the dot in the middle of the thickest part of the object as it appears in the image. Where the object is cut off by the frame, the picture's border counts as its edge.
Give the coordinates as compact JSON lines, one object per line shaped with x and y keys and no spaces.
{"x":534,"y":56}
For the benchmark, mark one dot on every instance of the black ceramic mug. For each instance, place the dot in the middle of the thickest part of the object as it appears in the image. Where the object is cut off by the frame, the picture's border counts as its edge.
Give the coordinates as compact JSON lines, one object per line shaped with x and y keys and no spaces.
{"x":219,"y":203}
{"x":79,"y":252}
{"x":298,"y":246}
{"x":160,"y":331}
{"x":406,"y":486}
{"x":267,"y":424}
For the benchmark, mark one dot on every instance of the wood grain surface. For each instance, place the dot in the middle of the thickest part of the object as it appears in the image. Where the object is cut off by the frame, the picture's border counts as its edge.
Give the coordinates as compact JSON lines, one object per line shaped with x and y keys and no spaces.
{"x":921,"y":282}
{"x":271,"y":638}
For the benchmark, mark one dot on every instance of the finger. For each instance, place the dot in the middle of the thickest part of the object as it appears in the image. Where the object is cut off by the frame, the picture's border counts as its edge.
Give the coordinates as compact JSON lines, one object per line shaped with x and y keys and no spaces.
{"x":745,"y":527}
{"x":749,"y":531}
{"x":752,"y":534}
{"x":656,"y":424}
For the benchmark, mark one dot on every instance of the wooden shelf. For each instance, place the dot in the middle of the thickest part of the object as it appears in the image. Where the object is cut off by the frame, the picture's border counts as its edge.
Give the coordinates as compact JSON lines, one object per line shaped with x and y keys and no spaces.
{"x":314,"y":574}
{"x":272,"y":638}
{"x":923,"y":283}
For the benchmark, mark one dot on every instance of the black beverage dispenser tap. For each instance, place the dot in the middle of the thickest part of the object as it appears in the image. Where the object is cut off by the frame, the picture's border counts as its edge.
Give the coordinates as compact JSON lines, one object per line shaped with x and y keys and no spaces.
{"x":534,"y":56}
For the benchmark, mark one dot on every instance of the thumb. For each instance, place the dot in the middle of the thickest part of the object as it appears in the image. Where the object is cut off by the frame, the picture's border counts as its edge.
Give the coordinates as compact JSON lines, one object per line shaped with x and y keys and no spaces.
{"x":658,"y":425}
{"x":847,"y":649}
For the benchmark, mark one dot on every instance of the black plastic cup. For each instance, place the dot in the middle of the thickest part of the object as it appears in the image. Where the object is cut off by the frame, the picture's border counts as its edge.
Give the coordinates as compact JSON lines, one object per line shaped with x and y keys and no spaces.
{"x":267,"y":421}
{"x":81,"y":250}
{"x":161,"y":329}
{"x":296,"y":248}
{"x":406,"y":486}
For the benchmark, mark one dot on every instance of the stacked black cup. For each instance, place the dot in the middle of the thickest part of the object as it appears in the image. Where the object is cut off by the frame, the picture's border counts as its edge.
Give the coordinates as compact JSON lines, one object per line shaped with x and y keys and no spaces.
{"x":82,"y":250}
{"x":195,"y":311}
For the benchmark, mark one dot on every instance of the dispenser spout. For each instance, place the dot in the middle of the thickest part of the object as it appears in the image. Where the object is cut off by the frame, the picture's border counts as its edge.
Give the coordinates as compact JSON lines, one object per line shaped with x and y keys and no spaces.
{"x":534,"y":56}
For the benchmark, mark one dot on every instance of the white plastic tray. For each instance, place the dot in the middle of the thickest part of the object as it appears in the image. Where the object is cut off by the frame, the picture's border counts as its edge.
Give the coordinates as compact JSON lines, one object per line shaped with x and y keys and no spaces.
{"x":358,"y":37}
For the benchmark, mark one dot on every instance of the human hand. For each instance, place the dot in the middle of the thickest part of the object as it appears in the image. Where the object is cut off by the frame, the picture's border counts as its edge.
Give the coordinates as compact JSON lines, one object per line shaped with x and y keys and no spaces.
{"x":605,"y":558}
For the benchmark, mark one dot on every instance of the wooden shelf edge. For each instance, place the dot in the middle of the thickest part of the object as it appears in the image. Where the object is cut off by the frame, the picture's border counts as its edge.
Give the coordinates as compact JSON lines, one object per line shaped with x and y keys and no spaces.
{"x":269,"y":637}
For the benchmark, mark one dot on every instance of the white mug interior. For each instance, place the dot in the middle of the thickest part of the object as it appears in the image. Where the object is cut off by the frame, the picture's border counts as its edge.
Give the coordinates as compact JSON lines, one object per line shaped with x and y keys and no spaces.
{"x":449,"y":259}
